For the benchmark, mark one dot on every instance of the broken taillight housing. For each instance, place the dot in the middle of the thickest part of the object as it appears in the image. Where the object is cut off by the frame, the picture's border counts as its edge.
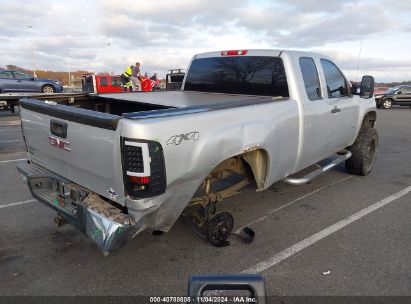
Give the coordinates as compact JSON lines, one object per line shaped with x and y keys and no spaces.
{"x":143,"y":168}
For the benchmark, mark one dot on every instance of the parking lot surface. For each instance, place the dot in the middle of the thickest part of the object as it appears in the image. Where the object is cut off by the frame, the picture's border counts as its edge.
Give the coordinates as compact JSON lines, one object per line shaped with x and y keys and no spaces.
{"x":339,"y":235}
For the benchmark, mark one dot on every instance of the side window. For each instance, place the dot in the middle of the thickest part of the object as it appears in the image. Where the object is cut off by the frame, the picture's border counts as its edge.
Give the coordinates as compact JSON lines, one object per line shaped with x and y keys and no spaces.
{"x":19,"y":75}
{"x":103,"y":81}
{"x":336,"y":84}
{"x":310,"y":77}
{"x":115,"y":81}
{"x":6,"y":74}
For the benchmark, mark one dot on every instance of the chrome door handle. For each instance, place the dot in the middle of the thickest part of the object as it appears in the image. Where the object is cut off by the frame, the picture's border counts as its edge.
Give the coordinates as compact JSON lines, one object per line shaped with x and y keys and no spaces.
{"x":335,"y":110}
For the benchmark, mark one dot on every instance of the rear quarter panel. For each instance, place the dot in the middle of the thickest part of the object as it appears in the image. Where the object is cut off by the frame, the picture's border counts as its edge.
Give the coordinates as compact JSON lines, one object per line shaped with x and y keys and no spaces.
{"x":272,"y":127}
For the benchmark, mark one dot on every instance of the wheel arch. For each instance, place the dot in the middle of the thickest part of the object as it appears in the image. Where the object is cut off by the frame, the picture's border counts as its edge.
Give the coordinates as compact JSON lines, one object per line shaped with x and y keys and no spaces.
{"x":259,"y":162}
{"x":256,"y":158}
{"x":369,"y":119}
{"x":48,"y":85}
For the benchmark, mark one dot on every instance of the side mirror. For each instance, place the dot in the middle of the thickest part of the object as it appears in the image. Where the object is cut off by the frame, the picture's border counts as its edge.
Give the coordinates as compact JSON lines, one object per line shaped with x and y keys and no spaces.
{"x":367,"y":87}
{"x":32,"y":78}
{"x":398,"y":92}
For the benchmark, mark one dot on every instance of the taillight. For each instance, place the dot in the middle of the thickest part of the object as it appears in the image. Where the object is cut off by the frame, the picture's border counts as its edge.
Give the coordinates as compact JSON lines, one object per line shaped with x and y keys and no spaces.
{"x":144,"y":180}
{"x":234,"y":52}
{"x":143,"y":168}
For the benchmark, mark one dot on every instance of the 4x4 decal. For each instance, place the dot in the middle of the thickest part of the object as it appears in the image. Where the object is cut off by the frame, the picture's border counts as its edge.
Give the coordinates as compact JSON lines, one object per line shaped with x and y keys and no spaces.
{"x":178,"y":139}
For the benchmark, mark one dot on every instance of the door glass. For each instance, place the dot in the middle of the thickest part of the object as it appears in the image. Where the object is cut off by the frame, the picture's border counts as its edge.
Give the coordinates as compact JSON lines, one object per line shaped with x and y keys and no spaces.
{"x":19,"y":75}
{"x":336,"y":84}
{"x":6,"y":75}
{"x":310,"y":77}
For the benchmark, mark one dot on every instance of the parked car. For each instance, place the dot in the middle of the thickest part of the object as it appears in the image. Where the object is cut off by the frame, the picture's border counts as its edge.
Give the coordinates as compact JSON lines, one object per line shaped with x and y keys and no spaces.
{"x":120,"y":163}
{"x":399,"y":95}
{"x":16,"y":81}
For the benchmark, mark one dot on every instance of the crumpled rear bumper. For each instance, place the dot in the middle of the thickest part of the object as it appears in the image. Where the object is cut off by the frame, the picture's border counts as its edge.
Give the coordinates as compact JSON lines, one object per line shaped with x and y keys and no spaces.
{"x":104,"y":223}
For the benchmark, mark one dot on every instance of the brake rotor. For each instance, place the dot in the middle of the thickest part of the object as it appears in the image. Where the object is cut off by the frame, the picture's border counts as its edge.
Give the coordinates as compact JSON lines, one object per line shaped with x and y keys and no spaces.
{"x":219,"y":228}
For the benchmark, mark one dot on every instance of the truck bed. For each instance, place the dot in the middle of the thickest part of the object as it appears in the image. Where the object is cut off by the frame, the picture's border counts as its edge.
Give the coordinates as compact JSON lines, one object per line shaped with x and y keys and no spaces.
{"x":177,"y":99}
{"x":138,"y":105}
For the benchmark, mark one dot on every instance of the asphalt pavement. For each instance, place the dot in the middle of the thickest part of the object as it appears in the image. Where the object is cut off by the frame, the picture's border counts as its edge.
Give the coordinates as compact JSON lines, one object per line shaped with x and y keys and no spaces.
{"x":339,"y":235}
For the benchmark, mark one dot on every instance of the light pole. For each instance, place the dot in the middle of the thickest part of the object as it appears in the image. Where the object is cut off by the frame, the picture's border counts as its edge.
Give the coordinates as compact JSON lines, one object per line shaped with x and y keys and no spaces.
{"x":68,"y":70}
{"x":30,"y":27}
{"x":359,"y":59}
{"x":108,"y":60}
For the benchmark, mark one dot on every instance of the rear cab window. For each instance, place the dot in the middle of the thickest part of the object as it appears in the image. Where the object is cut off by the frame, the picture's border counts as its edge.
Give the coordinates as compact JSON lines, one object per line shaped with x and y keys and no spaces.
{"x":335,"y":80}
{"x":248,"y":75}
{"x":310,"y":78}
{"x":175,"y":78}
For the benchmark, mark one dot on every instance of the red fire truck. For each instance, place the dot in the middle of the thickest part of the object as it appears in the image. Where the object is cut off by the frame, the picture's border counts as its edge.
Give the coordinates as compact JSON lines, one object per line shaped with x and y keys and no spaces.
{"x":101,"y":83}
{"x":112,"y":83}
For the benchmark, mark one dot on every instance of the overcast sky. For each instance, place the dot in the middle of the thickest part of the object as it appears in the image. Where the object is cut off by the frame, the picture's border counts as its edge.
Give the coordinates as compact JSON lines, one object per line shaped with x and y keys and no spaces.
{"x":108,"y":35}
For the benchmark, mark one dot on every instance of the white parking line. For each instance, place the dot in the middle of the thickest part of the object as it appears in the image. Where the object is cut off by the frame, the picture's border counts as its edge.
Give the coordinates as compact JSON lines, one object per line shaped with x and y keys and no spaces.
{"x":292,"y":202}
{"x":9,"y":141}
{"x":285,"y":254}
{"x":16,"y":203}
{"x":11,"y":160}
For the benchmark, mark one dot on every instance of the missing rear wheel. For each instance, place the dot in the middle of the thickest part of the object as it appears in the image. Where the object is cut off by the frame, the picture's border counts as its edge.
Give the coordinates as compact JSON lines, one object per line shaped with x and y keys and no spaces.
{"x":219,"y":228}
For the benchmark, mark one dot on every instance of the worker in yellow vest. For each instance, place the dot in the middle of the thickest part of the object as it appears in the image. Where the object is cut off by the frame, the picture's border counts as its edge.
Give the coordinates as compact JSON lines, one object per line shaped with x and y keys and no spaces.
{"x":125,"y":78}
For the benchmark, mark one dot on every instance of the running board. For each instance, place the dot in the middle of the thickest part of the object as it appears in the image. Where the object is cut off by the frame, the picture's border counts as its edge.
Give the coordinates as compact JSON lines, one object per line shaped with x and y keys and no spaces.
{"x":344,"y":155}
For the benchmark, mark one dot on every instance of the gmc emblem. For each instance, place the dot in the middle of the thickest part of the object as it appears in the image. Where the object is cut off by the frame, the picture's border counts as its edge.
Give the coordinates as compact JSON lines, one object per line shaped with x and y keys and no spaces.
{"x":58,"y":143}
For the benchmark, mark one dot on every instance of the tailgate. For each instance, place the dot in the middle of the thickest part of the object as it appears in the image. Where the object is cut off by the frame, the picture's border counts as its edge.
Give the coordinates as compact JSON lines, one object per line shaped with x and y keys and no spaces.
{"x":81,"y":145}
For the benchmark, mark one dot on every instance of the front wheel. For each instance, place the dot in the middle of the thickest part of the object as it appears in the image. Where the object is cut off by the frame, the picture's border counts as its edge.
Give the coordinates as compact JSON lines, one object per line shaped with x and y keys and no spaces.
{"x":48,"y":89}
{"x":363,"y":152}
{"x":387,"y":103}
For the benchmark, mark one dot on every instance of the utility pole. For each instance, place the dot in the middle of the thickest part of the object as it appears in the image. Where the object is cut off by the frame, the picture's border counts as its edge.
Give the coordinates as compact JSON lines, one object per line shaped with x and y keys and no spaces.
{"x":30,"y":27}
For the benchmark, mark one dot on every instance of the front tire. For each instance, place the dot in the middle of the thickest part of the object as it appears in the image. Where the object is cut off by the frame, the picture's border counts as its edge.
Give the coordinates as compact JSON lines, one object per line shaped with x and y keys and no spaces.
{"x":387,"y":103}
{"x":363,"y":152}
{"x":48,"y":89}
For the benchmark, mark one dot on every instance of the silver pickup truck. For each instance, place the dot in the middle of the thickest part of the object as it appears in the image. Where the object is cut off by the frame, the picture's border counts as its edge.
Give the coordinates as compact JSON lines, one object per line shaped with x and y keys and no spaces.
{"x":115,"y":164}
